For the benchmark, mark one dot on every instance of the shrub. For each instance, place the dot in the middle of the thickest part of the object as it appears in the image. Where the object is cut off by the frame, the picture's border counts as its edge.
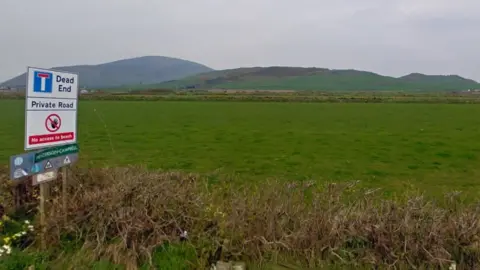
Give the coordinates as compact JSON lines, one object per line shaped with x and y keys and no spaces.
{"x":125,"y":214}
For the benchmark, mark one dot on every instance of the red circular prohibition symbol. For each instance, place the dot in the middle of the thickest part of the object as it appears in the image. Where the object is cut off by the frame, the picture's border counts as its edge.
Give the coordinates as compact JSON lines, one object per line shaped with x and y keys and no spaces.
{"x":53,"y":122}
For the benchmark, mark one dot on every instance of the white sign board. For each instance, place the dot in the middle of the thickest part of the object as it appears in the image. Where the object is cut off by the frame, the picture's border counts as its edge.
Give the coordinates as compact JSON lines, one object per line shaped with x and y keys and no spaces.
{"x":44,"y":177}
{"x":50,"y":108}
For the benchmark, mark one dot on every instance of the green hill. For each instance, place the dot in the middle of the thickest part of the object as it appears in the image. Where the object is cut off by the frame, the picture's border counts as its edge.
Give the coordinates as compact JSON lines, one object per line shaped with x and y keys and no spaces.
{"x":134,"y":71}
{"x":296,"y":78}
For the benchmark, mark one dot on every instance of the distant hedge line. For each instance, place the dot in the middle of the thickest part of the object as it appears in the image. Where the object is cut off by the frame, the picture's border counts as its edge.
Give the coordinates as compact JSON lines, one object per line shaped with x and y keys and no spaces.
{"x":321,"y":98}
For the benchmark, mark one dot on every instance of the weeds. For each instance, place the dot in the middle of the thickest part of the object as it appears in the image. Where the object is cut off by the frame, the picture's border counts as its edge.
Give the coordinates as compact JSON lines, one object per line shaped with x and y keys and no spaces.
{"x":126,"y":215}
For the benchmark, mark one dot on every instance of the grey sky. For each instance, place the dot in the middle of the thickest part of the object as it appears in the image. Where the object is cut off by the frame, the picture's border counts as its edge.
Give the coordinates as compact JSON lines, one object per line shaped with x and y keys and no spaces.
{"x":390,"y":37}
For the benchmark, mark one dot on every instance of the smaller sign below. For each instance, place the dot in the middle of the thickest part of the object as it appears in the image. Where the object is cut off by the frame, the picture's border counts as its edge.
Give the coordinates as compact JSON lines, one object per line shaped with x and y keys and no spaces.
{"x":56,"y":152}
{"x":21,"y":169}
{"x":44,"y":177}
{"x":48,"y":161}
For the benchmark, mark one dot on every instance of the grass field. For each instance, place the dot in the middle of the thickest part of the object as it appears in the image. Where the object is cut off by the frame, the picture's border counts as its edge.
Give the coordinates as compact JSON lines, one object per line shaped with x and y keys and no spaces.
{"x":392,"y":146}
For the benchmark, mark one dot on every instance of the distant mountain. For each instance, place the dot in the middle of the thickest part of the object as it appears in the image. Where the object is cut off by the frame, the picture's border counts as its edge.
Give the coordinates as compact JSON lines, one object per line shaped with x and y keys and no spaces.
{"x":448,"y":82}
{"x":134,"y":71}
{"x":297,"y":78}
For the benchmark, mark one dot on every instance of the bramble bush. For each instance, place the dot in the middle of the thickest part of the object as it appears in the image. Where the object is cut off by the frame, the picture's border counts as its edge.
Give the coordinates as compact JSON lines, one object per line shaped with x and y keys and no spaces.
{"x":127,"y":216}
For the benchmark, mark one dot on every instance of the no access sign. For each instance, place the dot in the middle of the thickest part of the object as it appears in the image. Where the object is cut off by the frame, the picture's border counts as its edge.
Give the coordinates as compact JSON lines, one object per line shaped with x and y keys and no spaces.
{"x":53,"y":122}
{"x":50,"y":108}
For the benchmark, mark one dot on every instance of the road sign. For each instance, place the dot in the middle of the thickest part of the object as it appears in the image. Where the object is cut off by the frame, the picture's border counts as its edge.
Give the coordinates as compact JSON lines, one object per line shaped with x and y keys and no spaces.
{"x":48,"y":165}
{"x":51,"y":108}
{"x":53,"y":122}
{"x":58,"y":151}
{"x":45,"y":161}
{"x":18,"y":161}
{"x":42,"y":82}
{"x":44,"y":177}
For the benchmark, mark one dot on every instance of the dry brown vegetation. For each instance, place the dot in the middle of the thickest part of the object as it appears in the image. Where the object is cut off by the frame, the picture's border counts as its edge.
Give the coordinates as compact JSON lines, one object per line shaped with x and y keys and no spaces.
{"x":124,"y":213}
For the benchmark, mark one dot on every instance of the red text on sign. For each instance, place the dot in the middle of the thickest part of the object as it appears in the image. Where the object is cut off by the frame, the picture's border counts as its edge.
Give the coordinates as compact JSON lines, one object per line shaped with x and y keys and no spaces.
{"x":39,"y":139}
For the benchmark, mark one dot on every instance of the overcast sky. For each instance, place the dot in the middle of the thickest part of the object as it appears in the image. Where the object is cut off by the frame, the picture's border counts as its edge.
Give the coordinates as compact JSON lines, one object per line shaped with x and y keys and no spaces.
{"x":390,"y":37}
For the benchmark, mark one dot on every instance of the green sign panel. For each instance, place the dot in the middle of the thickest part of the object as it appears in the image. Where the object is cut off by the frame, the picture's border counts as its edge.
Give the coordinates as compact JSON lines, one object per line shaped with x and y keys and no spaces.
{"x":56,"y":152}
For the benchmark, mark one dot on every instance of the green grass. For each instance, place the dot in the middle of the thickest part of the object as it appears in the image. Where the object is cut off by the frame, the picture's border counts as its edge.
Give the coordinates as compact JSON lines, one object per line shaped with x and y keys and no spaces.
{"x":392,"y":146}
